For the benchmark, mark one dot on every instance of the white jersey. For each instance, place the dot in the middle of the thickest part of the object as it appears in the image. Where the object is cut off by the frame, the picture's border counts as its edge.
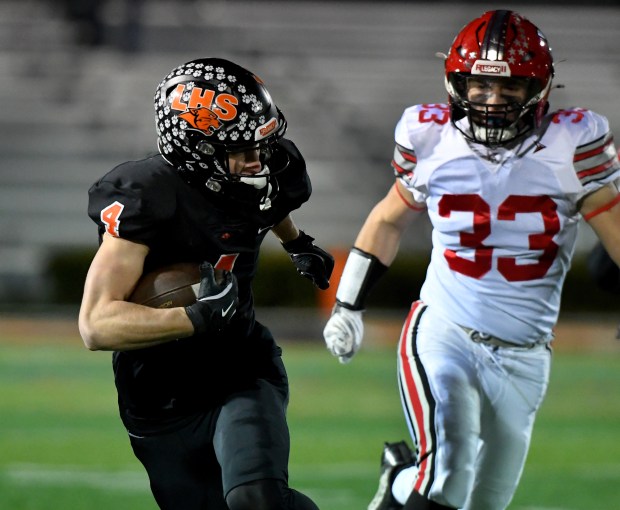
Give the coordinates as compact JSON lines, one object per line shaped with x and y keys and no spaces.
{"x":504,"y":221}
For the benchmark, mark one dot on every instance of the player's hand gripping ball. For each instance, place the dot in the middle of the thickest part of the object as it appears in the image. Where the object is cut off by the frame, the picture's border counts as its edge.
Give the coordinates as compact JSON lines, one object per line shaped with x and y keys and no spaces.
{"x":217,"y":300}
{"x":343,"y":333}
{"x":311,"y":261}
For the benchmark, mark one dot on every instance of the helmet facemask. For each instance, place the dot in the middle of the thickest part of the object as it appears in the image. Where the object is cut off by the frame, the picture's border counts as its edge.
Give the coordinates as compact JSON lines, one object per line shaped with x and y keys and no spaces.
{"x":246,"y":188}
{"x":493,"y":123}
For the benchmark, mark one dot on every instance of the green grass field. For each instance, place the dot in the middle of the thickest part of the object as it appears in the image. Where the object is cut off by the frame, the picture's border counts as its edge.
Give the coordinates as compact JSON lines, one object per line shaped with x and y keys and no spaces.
{"x":62,"y":445}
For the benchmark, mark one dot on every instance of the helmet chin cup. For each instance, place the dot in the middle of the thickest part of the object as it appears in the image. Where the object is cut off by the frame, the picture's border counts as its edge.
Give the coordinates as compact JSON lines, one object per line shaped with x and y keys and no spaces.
{"x":492,"y":136}
{"x":246,"y":192}
{"x":259,"y":180}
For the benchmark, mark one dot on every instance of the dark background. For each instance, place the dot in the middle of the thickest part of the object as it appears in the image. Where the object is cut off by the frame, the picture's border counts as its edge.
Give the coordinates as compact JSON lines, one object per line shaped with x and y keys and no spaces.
{"x":77,"y":80}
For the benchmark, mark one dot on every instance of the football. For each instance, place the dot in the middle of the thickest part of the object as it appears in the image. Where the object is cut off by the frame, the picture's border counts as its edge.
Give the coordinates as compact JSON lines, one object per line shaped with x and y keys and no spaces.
{"x":168,"y":286}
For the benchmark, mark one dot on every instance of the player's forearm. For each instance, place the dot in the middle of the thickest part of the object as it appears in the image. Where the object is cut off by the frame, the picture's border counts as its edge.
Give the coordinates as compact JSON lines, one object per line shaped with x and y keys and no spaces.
{"x":380,"y":240}
{"x":119,"y":326}
{"x":286,"y":230}
{"x":380,"y":236}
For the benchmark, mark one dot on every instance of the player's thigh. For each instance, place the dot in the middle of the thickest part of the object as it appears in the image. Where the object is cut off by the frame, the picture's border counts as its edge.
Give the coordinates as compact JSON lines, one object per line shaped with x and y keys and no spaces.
{"x":442,"y":402}
{"x":251,"y":437}
{"x":438,"y":373}
{"x":182,"y":467}
{"x":507,"y":424}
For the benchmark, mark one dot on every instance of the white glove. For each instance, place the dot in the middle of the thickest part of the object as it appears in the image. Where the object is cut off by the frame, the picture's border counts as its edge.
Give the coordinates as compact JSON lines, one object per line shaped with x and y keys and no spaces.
{"x":343,"y":333}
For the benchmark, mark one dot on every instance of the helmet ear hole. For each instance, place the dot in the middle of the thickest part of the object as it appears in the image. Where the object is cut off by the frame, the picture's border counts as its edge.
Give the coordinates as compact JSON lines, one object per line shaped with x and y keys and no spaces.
{"x":265,"y":153}
{"x":205,"y":148}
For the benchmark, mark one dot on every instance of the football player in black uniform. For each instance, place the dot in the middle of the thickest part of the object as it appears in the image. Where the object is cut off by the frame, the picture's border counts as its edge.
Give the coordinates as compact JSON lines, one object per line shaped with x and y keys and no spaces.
{"x":202,"y":389}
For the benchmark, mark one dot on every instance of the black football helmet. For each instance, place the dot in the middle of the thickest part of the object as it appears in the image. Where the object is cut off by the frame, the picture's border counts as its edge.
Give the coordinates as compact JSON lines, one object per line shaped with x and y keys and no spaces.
{"x":210,"y":107}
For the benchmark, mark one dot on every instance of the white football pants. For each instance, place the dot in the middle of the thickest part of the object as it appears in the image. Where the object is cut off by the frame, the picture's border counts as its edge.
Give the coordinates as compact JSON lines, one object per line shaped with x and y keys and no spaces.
{"x":470,"y":408}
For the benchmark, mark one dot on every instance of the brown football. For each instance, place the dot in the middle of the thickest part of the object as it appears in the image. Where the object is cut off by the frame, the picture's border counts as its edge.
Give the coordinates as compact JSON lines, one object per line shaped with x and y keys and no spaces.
{"x":168,"y":286}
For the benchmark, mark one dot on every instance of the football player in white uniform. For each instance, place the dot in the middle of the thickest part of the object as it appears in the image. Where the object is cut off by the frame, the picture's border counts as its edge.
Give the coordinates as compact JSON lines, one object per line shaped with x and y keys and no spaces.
{"x":505,"y":183}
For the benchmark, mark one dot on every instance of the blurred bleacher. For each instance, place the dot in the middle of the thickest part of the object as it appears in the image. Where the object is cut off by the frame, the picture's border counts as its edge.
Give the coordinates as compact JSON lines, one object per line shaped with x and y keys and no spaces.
{"x":74,"y":106}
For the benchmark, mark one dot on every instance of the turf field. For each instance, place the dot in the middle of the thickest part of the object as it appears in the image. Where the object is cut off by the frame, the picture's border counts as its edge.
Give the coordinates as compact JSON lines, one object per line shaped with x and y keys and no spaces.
{"x":63,"y":447}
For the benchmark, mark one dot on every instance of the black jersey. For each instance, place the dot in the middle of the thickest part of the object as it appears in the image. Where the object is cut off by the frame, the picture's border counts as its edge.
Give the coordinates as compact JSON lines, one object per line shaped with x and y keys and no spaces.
{"x":147,"y":201}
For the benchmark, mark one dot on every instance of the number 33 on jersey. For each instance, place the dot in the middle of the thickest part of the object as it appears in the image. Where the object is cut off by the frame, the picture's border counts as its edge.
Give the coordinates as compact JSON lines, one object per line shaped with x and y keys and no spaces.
{"x":505,"y":220}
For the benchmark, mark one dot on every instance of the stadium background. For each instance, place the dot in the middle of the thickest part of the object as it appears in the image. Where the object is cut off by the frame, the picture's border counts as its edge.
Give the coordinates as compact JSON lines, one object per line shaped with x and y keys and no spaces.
{"x":78,"y":76}
{"x":76,"y":92}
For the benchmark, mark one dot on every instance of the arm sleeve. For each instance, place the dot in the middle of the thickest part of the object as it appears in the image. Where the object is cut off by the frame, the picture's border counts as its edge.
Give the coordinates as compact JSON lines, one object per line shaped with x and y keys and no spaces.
{"x":361,"y":273}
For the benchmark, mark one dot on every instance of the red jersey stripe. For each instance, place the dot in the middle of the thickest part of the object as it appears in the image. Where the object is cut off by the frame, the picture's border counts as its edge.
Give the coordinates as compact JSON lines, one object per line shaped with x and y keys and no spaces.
{"x":593,"y":152}
{"x":595,"y":170}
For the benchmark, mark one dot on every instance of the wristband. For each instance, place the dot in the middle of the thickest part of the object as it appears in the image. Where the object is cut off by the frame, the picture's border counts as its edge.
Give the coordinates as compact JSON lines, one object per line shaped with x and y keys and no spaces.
{"x":361,"y":273}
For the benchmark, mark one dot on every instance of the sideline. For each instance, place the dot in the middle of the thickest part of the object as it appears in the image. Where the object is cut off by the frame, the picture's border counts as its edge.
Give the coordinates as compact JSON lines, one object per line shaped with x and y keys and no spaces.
{"x":574,"y":333}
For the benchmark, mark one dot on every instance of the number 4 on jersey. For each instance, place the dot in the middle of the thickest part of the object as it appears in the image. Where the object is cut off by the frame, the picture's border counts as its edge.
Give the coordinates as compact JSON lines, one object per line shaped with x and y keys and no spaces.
{"x":110,"y":218}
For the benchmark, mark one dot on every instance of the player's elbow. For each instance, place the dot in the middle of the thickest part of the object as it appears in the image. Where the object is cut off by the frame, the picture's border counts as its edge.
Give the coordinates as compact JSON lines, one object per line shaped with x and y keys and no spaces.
{"x":91,"y":336}
{"x":91,"y":339}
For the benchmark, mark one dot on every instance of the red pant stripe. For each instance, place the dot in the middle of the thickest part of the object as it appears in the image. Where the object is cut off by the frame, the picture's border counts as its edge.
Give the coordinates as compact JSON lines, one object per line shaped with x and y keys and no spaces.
{"x":417,"y":399}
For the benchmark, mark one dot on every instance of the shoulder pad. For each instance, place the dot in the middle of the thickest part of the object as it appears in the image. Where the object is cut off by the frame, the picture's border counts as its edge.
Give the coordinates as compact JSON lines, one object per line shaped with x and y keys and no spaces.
{"x":134,"y":198}
{"x":419,"y":122}
{"x":595,"y":158}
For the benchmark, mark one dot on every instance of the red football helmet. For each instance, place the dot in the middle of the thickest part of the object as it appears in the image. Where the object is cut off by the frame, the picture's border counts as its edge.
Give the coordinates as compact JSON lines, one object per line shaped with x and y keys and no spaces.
{"x":502,"y":47}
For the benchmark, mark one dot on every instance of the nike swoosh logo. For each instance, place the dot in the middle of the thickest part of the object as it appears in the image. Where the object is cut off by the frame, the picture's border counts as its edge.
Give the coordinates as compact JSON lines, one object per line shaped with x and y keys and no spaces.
{"x":225,"y":311}
{"x":261,"y":230}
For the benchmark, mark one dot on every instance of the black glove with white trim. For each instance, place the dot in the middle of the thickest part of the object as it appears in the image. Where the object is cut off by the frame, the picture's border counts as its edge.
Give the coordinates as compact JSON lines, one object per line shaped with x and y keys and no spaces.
{"x":216,"y":302}
{"x":311,"y":261}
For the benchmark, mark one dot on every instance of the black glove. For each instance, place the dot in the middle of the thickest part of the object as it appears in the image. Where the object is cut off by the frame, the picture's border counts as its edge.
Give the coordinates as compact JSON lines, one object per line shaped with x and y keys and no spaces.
{"x":216,"y":302}
{"x":311,"y":261}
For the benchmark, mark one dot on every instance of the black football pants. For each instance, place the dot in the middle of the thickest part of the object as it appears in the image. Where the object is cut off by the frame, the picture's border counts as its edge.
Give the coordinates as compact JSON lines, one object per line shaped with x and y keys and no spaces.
{"x":234,"y":457}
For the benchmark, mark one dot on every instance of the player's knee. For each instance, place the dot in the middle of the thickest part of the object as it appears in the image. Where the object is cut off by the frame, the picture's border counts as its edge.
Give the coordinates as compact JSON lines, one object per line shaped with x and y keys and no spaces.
{"x":257,"y":495}
{"x":455,"y":488}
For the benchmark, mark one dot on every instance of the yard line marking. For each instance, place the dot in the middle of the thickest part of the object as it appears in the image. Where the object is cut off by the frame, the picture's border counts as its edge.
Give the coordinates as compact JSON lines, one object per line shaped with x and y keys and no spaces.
{"x":332,"y":497}
{"x":320,"y":470}
{"x":597,"y":471}
{"x":542,"y":508}
{"x":73,"y":475}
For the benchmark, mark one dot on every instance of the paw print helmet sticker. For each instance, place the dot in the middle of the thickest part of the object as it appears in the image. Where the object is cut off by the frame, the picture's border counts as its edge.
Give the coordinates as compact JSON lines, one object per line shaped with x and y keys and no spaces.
{"x":207,"y":108}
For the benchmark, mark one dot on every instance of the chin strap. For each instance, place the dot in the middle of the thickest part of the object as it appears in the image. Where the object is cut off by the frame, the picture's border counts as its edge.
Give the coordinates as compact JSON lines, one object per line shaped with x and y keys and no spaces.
{"x":361,"y":273}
